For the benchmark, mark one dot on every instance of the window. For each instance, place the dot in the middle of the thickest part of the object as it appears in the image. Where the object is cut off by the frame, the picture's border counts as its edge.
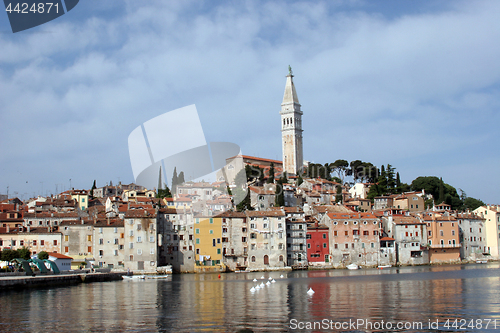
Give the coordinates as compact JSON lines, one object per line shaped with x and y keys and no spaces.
{"x":253,"y":258}
{"x":243,"y":239}
{"x":139,"y":251}
{"x":372,"y":245}
{"x":130,"y":245}
{"x":218,"y":251}
{"x":308,"y":245}
{"x":441,"y":233}
{"x":252,"y":225}
{"x":335,"y":232}
{"x":197,"y":231}
{"x":197,"y":241}
{"x":151,"y":239}
{"x":66,"y":239}
{"x":131,"y":233}
{"x":115,"y":252}
{"x":34,"y":243}
{"x":101,"y":253}
{"x":346,"y":233}
{"x":346,"y":246}
{"x":139,"y":239}
{"x":265,"y":225}
{"x":253,"y":236}
{"x":100,"y":230}
{"x":324,"y":245}
{"x":55,"y":241}
{"x":324,"y":235}
{"x":211,"y":232}
{"x":336,"y":246}
{"x":89,"y":249}
{"x":453,"y":232}
{"x":66,"y":249}
{"x":101,"y":241}
{"x":375,"y":233}
{"x":366,"y":233}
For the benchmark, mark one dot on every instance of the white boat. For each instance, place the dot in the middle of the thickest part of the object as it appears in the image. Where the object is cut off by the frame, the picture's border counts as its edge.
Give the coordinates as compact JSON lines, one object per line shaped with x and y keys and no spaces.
{"x":352,"y":266}
{"x":384,"y":266}
{"x":481,"y":261}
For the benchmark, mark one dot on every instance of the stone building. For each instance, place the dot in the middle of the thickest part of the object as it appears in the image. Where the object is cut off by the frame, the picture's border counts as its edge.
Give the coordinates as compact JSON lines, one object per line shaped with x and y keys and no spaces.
{"x":354,"y":238}
{"x":472,"y":235}
{"x":267,"y":240}
{"x":291,"y":128}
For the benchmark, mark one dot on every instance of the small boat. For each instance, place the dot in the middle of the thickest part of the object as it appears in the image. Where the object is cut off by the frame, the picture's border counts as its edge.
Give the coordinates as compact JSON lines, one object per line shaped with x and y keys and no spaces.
{"x":384,"y":266}
{"x":481,"y":261}
{"x":352,"y":266}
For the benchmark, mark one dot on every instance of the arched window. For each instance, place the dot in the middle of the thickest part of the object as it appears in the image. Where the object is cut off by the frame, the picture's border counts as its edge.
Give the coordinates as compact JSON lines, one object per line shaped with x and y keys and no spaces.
{"x":266,"y":260}
{"x":281,"y":258}
{"x":253,"y":258}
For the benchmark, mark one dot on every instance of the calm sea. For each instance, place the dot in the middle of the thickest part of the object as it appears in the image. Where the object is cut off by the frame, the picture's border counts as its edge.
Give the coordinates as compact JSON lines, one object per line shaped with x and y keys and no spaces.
{"x":463,"y":298}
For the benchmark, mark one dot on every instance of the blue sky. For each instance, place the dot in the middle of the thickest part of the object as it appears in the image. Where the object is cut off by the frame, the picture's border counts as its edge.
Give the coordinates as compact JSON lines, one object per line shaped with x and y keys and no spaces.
{"x":413,"y":84}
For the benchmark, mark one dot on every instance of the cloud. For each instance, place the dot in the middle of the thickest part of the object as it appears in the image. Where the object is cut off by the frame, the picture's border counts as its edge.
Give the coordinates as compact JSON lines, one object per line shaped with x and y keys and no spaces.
{"x":378,"y":85}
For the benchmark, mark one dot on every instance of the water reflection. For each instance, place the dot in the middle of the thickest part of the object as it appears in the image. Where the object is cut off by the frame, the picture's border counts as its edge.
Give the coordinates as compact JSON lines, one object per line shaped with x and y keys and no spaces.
{"x":207,"y":303}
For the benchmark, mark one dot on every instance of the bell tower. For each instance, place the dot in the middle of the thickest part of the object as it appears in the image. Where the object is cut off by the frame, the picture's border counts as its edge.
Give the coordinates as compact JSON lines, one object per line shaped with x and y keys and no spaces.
{"x":291,"y":128}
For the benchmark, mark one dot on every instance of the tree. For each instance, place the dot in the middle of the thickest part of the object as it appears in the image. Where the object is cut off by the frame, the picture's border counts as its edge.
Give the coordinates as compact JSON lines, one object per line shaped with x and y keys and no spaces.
{"x":441,"y":197}
{"x":299,"y":180}
{"x":24,"y":253}
{"x":338,"y":195}
{"x":270,"y":179}
{"x":43,"y":255}
{"x":181,"y":178}
{"x":279,"y":193}
{"x":340,"y":167}
{"x":92,"y":189}
{"x":472,"y":203}
{"x":8,"y":255}
{"x":175,"y":180}
{"x":391,"y":181}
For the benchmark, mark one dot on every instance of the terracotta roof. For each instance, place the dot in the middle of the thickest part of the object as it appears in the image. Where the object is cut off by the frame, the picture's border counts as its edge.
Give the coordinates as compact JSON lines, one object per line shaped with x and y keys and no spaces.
{"x":387,"y":239}
{"x":59,"y":255}
{"x":265,"y":213}
{"x":351,"y":216}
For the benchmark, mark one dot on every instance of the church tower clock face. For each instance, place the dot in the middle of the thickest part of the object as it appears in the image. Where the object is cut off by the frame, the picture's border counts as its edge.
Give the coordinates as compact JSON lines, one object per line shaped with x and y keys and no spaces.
{"x":291,"y":128}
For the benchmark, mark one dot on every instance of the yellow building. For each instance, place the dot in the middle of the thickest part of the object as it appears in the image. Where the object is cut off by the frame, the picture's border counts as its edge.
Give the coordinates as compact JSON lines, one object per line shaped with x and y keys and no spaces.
{"x":81,"y":197}
{"x":208,"y":244}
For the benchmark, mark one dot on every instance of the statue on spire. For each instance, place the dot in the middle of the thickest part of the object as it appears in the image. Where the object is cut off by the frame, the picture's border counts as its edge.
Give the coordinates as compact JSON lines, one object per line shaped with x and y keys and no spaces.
{"x":290,"y":70}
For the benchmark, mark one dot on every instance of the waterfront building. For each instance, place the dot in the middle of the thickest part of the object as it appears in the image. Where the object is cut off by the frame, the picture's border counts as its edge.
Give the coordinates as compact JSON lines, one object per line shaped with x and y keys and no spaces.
{"x":208,"y":244}
{"x":296,"y":241}
{"x":177,"y":248}
{"x":234,"y":240}
{"x":78,"y":240}
{"x":491,"y":214}
{"x":472,"y":235}
{"x":62,"y":261}
{"x":318,"y":245}
{"x":140,"y":253}
{"x":35,"y":239}
{"x":109,"y":243}
{"x":410,"y":235}
{"x":443,"y":238}
{"x":354,"y":238}
{"x":267,"y":239}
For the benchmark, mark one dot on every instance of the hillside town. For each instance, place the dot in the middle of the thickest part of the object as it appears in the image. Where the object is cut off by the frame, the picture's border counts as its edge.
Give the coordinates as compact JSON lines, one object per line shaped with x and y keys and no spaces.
{"x":260,"y":214}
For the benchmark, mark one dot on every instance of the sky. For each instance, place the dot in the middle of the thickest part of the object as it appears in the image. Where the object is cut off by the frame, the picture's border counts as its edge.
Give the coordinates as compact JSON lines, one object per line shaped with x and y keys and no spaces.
{"x":414,"y":84}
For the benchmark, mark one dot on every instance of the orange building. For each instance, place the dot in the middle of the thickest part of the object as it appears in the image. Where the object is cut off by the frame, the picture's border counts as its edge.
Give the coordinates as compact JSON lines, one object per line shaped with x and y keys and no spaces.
{"x":443,"y":238}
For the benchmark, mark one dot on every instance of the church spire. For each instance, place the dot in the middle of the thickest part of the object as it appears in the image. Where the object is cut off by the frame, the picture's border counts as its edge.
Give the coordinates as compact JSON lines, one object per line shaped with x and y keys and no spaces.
{"x":291,"y":128}
{"x":290,"y":95}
